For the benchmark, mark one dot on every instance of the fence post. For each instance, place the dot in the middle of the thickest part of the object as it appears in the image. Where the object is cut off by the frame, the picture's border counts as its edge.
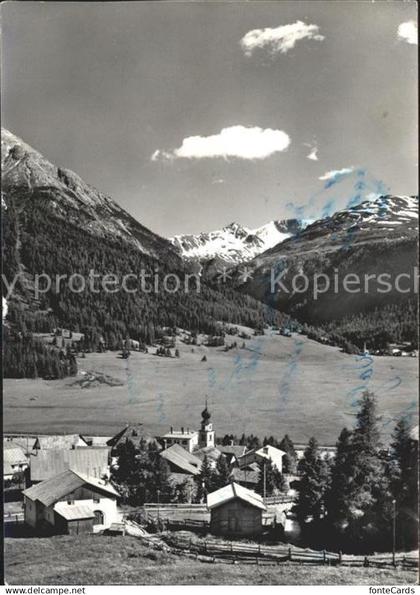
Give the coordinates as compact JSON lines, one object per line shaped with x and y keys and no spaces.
{"x":259,"y":548}
{"x":231,"y":546}
{"x":366,"y":562}
{"x":340,"y":557}
{"x":289,"y":555}
{"x":205,"y":545}
{"x":324,"y":557}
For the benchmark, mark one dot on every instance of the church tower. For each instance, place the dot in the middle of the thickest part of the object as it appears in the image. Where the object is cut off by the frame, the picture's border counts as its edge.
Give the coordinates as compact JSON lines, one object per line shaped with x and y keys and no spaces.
{"x":206,"y":433}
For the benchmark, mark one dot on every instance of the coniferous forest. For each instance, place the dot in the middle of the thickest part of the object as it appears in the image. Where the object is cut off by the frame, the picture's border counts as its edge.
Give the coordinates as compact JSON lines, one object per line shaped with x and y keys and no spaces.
{"x":105,"y":318}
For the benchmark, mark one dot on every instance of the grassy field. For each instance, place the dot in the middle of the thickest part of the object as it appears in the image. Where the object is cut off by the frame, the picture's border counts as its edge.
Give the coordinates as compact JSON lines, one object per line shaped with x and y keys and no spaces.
{"x":99,"y":560}
{"x":273,"y":386}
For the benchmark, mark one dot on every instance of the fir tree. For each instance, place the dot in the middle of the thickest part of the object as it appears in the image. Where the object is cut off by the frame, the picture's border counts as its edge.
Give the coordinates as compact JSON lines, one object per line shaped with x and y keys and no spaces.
{"x":312,"y":485}
{"x":204,"y":480}
{"x":222,"y":472}
{"x":338,"y":498}
{"x":289,"y":460}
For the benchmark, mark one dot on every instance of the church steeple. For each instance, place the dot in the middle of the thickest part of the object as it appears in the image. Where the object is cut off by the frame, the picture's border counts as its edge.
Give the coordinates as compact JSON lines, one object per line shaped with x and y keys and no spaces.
{"x":206,"y":433}
{"x":205,"y":416}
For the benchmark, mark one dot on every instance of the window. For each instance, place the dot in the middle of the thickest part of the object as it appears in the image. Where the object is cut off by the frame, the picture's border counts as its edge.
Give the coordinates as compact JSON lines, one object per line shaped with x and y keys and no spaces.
{"x":70,"y":501}
{"x":96,"y":498}
{"x":99,"y":517}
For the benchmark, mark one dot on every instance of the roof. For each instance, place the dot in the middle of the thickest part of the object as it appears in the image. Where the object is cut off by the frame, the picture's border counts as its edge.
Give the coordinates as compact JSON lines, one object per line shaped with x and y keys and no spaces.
{"x":270,"y":452}
{"x":51,"y":490}
{"x":48,"y":463}
{"x":74,"y":512}
{"x":414,"y":433}
{"x":98,"y":440}
{"x":65,"y":441}
{"x":211,"y":452}
{"x":14,"y":455}
{"x":25,"y":442}
{"x":187,"y":434}
{"x":182,"y":459}
{"x":320,"y":447}
{"x":240,"y":475}
{"x":233,"y":449}
{"x":234,"y":491}
{"x":134,"y":433}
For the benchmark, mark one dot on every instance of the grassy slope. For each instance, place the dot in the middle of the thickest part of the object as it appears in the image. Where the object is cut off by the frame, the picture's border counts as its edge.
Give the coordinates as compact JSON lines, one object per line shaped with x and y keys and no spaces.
{"x":286,"y":387}
{"x":123,"y":560}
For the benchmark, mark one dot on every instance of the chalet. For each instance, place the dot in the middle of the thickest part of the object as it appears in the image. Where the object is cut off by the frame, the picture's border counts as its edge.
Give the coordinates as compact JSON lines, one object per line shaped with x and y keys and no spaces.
{"x":212,"y":453}
{"x":181,"y":460}
{"x":325,"y":452}
{"x":62,"y":442}
{"x":235,"y":511}
{"x":263,"y":454}
{"x":191,"y":439}
{"x":186,"y":438}
{"x":15,"y":460}
{"x":25,"y":441}
{"x":247,"y":477}
{"x":232,"y":452}
{"x":71,"y":503}
{"x":134,"y":433}
{"x":45,"y":464}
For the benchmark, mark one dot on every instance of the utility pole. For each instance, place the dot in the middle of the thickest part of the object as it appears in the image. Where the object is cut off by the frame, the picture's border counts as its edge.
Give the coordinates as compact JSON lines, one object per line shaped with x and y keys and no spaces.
{"x":265,"y":480}
{"x":394,"y":522}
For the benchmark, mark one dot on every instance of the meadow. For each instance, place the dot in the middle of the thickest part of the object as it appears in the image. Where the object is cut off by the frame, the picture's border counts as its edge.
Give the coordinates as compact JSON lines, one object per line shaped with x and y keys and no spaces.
{"x":275,"y":385}
{"x":100,"y":560}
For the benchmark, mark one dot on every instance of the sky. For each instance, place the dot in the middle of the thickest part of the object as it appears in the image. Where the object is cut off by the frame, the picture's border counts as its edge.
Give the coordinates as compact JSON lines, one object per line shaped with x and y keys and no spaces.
{"x":192,"y":115}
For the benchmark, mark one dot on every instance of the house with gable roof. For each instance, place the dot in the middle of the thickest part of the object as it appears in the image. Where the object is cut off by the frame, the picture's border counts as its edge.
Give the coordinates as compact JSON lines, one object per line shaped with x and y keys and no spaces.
{"x":71,"y":503}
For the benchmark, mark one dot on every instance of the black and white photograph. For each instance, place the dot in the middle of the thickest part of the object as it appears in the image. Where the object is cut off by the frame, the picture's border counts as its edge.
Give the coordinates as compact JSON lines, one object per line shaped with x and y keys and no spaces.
{"x":209,"y":221}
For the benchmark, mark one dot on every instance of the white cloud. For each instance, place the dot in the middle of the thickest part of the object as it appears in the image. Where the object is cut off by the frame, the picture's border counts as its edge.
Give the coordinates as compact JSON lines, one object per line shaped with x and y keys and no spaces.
{"x":239,"y":141}
{"x":408,"y":32}
{"x":334,"y":173}
{"x":313,"y":154}
{"x":280,"y":39}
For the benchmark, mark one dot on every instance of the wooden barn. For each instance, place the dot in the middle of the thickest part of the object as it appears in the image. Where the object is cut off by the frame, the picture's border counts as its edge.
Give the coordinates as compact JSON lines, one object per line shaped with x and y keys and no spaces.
{"x":235,"y":511}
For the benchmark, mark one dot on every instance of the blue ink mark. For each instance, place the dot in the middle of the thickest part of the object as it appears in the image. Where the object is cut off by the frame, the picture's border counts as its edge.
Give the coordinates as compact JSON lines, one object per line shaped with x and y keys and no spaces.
{"x":284,"y":387}
{"x":160,"y":408}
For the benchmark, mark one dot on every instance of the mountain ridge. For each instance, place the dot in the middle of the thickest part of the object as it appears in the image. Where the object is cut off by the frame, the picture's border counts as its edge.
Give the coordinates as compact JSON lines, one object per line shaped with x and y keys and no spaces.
{"x":236,"y":243}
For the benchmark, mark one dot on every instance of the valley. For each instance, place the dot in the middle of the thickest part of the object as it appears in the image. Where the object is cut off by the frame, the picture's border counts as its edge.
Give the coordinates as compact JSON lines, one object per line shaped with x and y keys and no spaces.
{"x":276,"y":385}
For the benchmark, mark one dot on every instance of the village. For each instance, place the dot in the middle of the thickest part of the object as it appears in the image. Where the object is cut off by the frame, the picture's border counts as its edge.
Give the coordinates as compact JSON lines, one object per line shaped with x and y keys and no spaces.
{"x":62,"y":484}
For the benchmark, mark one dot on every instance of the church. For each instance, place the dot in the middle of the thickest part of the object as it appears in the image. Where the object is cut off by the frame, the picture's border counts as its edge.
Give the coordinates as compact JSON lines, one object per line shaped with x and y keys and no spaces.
{"x":192,"y":440}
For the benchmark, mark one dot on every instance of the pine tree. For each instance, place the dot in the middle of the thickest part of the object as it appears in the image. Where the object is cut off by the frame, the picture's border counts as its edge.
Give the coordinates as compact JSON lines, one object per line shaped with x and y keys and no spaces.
{"x":312,"y":485}
{"x":338,"y":498}
{"x":369,"y":471}
{"x":204,"y":480}
{"x":404,"y":486}
{"x":222,"y":473}
{"x":289,"y":460}
{"x":270,"y":479}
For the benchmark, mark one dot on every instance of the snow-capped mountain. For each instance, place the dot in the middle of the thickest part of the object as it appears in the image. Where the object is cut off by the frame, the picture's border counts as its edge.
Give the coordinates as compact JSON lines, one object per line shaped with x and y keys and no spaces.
{"x":378,"y":236}
{"x":235,"y":243}
{"x":28,"y":177}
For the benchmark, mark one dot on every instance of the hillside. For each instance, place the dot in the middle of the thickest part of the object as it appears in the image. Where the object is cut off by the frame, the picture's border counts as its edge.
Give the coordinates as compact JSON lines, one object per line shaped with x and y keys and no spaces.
{"x":28,"y":177}
{"x":373,"y":238}
{"x":96,"y":560}
{"x":275,"y":385}
{"x":56,"y":224}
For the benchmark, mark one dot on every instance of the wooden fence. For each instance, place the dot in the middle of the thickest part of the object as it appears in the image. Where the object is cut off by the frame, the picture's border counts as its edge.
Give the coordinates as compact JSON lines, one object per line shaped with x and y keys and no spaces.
{"x":262,"y":554}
